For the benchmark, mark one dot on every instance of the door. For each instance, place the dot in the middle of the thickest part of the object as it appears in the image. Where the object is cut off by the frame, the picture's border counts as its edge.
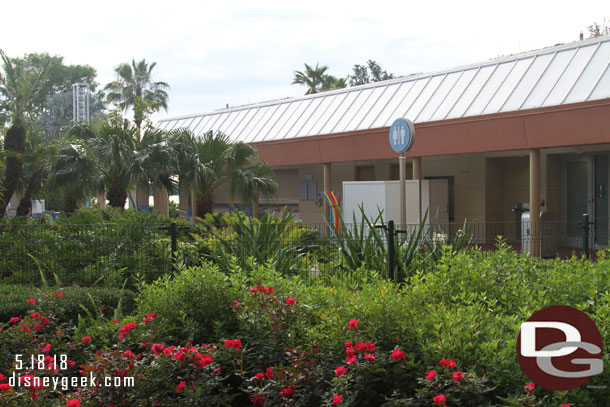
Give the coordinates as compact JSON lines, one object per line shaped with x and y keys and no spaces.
{"x":601,"y":201}
{"x":577,"y":193}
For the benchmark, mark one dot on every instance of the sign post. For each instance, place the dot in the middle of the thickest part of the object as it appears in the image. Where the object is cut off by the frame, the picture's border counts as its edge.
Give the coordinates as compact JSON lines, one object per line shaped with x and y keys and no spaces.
{"x":402,"y":136}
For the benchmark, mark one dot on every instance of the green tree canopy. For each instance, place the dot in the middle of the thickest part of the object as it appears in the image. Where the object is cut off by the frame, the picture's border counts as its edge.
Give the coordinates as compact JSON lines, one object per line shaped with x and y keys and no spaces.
{"x":371,"y":72}
{"x":135,"y":89}
{"x":316,"y":79}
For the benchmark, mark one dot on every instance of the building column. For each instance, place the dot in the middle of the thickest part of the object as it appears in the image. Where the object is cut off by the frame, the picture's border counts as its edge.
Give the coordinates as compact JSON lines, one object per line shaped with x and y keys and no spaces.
{"x":417,"y":175}
{"x":535,"y":201}
{"x":327,"y":185}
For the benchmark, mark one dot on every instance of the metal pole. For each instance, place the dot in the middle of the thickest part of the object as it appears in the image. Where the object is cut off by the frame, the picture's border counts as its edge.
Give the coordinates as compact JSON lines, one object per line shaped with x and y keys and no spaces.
{"x":174,"y":236}
{"x":417,"y":175}
{"x":403,"y":188}
{"x":585,"y":233}
{"x":391,"y":249}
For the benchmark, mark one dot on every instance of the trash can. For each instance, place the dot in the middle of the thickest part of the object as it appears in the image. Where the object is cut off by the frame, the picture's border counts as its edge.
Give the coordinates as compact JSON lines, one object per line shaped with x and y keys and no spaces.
{"x":526,"y":233}
{"x":548,"y":236}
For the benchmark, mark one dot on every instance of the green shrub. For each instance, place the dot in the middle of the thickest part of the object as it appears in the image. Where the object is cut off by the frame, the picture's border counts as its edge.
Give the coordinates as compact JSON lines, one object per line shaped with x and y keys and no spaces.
{"x":14,"y":301}
{"x":279,"y":241}
{"x":195,"y":300}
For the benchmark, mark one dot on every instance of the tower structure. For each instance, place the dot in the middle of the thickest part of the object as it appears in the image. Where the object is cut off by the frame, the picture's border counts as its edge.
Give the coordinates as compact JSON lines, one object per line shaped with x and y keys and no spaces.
{"x":80,"y":103}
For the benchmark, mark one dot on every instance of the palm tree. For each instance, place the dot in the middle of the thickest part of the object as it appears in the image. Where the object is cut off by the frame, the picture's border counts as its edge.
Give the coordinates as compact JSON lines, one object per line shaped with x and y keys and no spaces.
{"x":135,"y":89}
{"x":113,"y":144}
{"x":74,"y":174}
{"x":206,"y":163}
{"x":155,"y":160}
{"x":249,"y":183}
{"x":20,"y":87}
{"x":313,"y":78}
{"x":35,"y":172}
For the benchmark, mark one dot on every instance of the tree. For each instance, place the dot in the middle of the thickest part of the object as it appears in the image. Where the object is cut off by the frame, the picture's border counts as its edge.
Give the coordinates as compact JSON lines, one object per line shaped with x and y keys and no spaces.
{"x":20,"y":86}
{"x":135,"y":89}
{"x":249,"y":183}
{"x":313,"y":78}
{"x":598,"y":30}
{"x":371,"y":72}
{"x":36,"y":170}
{"x":155,"y":164}
{"x":57,"y":116}
{"x":204,"y":163}
{"x":113,"y":144}
{"x":331,"y":82}
{"x":74,"y":173}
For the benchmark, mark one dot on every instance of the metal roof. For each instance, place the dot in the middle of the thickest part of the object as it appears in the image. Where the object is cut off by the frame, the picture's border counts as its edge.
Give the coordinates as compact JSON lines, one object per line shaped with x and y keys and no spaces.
{"x":564,"y":74}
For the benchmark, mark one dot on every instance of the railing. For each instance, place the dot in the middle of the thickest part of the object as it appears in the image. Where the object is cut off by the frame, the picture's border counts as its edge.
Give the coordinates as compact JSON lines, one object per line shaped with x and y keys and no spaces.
{"x":109,"y":253}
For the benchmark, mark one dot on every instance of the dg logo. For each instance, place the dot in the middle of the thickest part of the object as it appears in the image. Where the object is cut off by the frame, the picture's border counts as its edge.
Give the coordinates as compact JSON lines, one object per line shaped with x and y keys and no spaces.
{"x":560,"y":348}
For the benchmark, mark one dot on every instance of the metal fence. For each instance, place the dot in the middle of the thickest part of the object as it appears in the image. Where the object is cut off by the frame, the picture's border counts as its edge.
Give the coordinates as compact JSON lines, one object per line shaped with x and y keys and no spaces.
{"x":89,"y":253}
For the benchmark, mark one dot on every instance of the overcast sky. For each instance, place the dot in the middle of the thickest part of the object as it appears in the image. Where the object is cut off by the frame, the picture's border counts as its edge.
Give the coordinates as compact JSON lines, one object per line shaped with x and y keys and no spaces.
{"x":214,"y":53}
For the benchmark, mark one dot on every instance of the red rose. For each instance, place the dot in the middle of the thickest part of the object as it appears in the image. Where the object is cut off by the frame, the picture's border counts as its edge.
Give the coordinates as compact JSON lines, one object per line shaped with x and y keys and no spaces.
{"x":341,"y":370}
{"x":370,"y":357}
{"x":353,"y":323}
{"x":360,"y":346}
{"x":458,"y":376}
{"x":157,"y":348}
{"x":529,"y":387}
{"x":260,"y":376}
{"x":14,"y":320}
{"x":61,"y":295}
{"x":86,"y":339}
{"x":2,"y":377}
{"x":32,"y":301}
{"x":259,"y":399}
{"x":431,"y":375}
{"x":290,"y":300}
{"x":288,"y":391}
{"x":369,"y":346}
{"x":5,"y":387}
{"x":73,"y":403}
{"x":128,"y":354}
{"x":447,"y":363}
{"x":337,"y":399}
{"x":46,"y":348}
{"x":397,"y":354}
{"x":233,"y":343}
{"x":269,"y":373}
{"x":180,"y":386}
{"x":439,"y":400}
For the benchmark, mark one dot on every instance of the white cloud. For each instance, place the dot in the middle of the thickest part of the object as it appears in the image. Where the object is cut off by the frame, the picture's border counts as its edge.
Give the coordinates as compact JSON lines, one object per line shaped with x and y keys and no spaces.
{"x":238,"y":52}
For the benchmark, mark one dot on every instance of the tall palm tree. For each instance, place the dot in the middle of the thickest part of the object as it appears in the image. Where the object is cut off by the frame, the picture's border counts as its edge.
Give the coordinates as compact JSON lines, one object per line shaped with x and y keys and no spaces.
{"x":313,"y":78}
{"x":20,"y":87}
{"x":135,"y":89}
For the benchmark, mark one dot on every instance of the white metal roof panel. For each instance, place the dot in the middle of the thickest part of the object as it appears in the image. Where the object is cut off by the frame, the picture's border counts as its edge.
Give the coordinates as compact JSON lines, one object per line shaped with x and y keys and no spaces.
{"x":564,"y":74}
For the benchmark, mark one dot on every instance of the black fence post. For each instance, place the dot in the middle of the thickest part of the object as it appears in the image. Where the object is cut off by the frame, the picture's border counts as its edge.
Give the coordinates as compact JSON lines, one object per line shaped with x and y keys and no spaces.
{"x":585,"y":234}
{"x":391,"y":232}
{"x":174,"y":236}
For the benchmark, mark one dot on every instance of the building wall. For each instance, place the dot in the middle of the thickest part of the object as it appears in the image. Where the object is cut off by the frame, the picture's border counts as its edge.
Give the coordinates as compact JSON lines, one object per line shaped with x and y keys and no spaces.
{"x":469,"y":183}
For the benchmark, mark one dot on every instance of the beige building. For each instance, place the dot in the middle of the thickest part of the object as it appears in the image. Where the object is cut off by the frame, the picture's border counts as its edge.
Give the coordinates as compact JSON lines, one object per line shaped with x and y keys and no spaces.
{"x":532,"y":128}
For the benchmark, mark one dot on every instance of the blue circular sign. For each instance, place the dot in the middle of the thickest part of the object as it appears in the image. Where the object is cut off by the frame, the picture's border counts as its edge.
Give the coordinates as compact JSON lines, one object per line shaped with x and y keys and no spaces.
{"x":402,"y":135}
